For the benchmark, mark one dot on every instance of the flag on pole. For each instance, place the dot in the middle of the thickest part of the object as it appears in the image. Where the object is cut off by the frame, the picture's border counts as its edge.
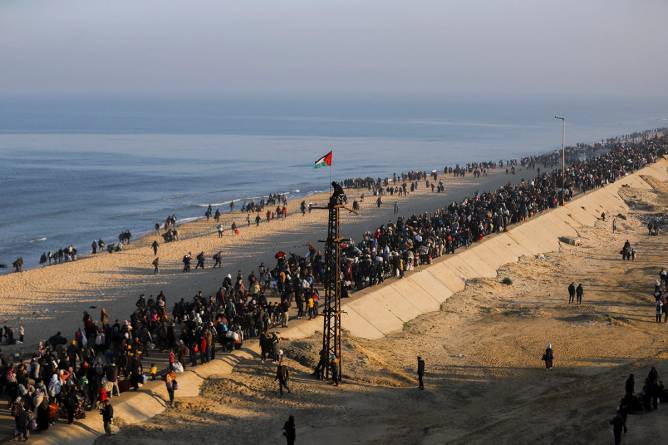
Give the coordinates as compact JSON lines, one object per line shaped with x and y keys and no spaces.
{"x":324,"y":161}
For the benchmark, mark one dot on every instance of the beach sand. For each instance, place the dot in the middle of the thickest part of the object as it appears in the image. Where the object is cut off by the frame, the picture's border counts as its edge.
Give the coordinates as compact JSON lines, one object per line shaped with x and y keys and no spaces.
{"x":52,"y":298}
{"x":485,"y":380}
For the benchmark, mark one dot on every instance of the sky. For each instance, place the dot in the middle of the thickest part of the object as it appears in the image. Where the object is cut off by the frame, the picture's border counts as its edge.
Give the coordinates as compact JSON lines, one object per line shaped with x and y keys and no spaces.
{"x":304,"y":47}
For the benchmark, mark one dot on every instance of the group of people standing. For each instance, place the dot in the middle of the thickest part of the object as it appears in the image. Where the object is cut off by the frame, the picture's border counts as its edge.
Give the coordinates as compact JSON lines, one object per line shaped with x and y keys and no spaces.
{"x":575,"y":292}
{"x":653,"y":393}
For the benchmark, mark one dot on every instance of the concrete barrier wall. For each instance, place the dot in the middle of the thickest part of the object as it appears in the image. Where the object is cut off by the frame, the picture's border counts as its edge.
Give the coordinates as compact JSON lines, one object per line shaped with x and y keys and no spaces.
{"x":378,"y":311}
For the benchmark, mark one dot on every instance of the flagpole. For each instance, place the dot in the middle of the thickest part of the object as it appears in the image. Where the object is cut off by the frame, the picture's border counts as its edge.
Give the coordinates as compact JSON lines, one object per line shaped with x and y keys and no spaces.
{"x":330,"y":171}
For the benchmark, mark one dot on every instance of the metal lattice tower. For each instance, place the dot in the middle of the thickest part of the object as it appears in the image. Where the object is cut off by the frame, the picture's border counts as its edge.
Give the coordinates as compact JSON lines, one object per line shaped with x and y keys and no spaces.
{"x":331,"y":333}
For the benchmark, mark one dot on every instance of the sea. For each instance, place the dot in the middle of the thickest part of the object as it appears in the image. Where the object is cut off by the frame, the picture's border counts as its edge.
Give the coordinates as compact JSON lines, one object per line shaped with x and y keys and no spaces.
{"x":74,"y":169}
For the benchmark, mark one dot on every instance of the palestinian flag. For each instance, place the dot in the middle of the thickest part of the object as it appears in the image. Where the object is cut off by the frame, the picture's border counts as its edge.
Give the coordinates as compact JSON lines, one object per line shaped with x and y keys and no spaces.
{"x":324,"y":161}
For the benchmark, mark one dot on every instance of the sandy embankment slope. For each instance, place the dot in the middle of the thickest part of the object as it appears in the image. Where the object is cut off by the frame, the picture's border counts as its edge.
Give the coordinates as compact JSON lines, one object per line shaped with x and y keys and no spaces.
{"x":52,"y":298}
{"x":485,"y":379}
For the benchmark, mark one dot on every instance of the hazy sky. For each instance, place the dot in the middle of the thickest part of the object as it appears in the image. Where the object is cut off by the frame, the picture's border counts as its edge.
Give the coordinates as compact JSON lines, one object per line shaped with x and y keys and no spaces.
{"x":334,"y":46}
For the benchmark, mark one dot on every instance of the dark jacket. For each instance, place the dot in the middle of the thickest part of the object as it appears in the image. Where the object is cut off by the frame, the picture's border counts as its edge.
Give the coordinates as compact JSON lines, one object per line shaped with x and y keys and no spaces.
{"x":289,"y":431}
{"x":630,"y":385}
{"x":282,"y":373}
{"x":420,"y":369}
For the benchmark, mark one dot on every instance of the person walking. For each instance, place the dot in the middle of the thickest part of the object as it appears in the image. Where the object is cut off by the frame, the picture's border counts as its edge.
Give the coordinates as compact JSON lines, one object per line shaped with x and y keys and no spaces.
{"x":156,"y":265}
{"x":548,"y":357}
{"x":659,"y":310}
{"x":282,"y":375}
{"x":571,"y":293}
{"x":200,"y":261}
{"x":218,"y":258}
{"x":618,"y":424}
{"x":579,"y":291}
{"x":289,"y":430}
{"x":154,"y":246}
{"x":420,"y":372}
{"x":107,"y":413}
{"x":171,"y":385}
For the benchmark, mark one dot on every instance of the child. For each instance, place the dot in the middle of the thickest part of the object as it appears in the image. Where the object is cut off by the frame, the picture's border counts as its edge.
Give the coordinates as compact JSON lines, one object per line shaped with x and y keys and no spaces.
{"x":316,"y":300}
{"x":153,"y":372}
{"x":309,"y":305}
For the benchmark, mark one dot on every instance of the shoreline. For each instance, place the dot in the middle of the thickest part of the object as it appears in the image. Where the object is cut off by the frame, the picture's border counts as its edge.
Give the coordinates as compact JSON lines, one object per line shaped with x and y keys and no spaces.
{"x":41,"y":296}
{"x":297,"y":194}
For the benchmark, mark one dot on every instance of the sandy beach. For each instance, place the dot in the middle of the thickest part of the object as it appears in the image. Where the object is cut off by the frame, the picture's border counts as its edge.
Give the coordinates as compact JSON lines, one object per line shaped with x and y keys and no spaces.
{"x":52,"y":298}
{"x":485,"y":380}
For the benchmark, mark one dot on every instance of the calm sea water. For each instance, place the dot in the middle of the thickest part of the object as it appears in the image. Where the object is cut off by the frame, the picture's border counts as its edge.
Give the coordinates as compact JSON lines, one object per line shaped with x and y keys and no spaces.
{"x":74,"y":170}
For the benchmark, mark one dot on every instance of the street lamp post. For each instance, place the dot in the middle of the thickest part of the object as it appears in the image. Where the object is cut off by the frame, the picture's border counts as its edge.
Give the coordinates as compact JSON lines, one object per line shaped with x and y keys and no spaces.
{"x":563,"y":156}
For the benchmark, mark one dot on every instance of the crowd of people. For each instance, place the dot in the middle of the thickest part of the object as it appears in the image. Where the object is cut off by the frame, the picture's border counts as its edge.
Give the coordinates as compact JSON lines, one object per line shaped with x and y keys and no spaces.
{"x":68,"y":253}
{"x":66,"y":376}
{"x":395,"y":248}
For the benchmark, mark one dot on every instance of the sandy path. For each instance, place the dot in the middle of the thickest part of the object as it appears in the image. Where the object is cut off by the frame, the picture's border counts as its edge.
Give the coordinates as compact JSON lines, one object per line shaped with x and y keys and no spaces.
{"x":53,"y":298}
{"x":485,"y":380}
